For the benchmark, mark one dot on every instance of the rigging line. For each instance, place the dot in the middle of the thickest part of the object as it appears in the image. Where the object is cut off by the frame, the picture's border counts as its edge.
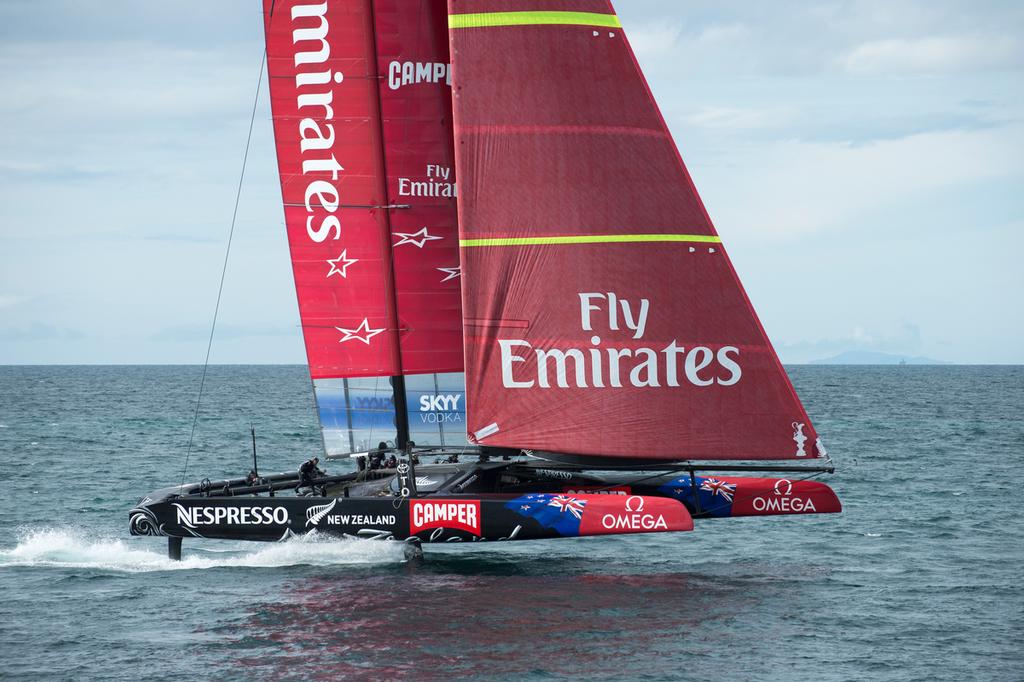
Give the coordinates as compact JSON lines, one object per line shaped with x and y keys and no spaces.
{"x":634,"y":481}
{"x":224,"y":268}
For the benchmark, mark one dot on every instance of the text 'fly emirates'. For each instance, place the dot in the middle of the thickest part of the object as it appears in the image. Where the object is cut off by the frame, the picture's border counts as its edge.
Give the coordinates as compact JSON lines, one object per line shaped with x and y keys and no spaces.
{"x":607,"y":367}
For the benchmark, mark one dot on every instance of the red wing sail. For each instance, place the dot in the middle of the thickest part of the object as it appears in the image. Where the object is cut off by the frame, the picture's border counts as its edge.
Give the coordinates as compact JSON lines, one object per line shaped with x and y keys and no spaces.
{"x":416,"y":110}
{"x":361,"y":103}
{"x":602,"y":314}
{"x":362,"y":117}
{"x":323,"y":91}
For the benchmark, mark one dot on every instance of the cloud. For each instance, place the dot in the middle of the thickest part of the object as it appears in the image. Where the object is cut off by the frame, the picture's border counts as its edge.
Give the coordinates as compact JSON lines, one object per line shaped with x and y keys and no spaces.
{"x":734,"y":118}
{"x":60,"y":172}
{"x":904,"y":339}
{"x":39,"y":331}
{"x":791,"y":188}
{"x":790,"y":38}
{"x":935,"y":54}
{"x":133,"y":81}
{"x":224,"y":332}
{"x":651,"y":41}
{"x":184,"y":238}
{"x":10,"y":300}
{"x":722,"y":35}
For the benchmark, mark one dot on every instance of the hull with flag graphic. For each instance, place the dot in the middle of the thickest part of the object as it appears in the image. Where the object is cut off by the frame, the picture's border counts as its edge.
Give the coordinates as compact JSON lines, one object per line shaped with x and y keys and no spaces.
{"x":594,"y":514}
{"x":712,"y":497}
{"x":725,"y":496}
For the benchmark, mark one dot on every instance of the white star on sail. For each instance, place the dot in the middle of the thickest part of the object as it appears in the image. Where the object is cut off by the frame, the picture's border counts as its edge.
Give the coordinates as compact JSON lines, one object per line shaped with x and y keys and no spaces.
{"x":361,"y":333}
{"x":417,"y":239}
{"x":452,"y":272}
{"x":345,"y":262}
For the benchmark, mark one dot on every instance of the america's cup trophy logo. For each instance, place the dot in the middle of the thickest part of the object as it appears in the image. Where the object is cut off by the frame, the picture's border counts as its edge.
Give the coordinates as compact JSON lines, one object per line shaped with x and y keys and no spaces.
{"x":799,"y":438}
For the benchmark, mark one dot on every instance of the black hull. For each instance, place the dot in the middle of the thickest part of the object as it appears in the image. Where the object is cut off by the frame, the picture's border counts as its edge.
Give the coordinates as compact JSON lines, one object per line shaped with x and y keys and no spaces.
{"x":473,"y":502}
{"x":276,"y":519}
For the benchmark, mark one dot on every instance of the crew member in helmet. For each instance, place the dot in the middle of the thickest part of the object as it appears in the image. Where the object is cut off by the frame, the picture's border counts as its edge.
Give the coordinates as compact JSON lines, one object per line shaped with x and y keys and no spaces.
{"x":377,"y":456}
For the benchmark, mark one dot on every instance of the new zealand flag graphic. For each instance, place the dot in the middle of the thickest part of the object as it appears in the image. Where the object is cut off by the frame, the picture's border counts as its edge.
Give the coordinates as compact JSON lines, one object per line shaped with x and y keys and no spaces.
{"x":560,"y":512}
{"x":715,"y":495}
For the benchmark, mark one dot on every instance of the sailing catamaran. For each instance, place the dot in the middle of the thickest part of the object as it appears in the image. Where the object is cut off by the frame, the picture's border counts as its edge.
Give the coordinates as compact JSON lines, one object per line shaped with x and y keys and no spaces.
{"x":556,"y":346}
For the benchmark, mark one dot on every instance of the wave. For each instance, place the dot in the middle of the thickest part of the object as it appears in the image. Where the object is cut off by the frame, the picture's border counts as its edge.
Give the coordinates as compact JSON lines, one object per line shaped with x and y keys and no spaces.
{"x":63,"y":548}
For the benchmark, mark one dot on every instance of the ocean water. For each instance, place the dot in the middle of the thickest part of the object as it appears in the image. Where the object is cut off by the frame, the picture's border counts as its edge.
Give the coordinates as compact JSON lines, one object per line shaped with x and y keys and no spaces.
{"x":920,"y":578}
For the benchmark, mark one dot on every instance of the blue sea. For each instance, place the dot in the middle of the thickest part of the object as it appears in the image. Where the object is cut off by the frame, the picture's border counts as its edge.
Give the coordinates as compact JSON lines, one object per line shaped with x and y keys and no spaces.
{"x":920,"y":578}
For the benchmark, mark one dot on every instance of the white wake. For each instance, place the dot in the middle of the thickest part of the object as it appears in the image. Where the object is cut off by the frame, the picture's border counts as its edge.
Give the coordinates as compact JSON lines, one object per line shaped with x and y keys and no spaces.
{"x":73,"y":549}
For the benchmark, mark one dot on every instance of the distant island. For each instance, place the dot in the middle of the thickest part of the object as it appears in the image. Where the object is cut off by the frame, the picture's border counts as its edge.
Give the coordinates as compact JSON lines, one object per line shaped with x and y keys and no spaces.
{"x":868,"y":357}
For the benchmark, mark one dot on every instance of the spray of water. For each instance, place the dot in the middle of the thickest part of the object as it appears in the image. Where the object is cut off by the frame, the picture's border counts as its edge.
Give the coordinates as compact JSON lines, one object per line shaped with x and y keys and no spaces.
{"x":64,"y":548}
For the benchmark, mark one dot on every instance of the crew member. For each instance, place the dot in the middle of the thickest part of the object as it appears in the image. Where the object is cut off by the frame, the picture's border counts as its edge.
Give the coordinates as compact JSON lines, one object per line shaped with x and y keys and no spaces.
{"x":377,"y":456}
{"x":307,"y":472}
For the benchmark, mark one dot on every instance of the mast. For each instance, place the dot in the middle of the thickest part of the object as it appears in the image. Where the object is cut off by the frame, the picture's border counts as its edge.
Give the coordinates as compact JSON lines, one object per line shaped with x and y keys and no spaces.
{"x":397,"y":379}
{"x":401,"y":412}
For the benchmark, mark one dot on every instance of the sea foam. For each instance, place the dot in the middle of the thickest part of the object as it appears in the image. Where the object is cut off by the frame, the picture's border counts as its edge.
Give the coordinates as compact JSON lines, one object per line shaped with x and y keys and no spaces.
{"x":64,"y":548}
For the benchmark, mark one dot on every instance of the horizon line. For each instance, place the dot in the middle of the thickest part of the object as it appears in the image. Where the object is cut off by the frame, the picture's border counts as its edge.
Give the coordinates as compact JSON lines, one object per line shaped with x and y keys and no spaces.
{"x":815,"y":363}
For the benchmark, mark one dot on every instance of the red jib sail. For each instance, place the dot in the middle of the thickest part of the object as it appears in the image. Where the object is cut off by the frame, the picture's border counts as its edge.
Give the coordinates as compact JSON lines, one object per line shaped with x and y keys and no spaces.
{"x":361,"y":102}
{"x":602,"y":314}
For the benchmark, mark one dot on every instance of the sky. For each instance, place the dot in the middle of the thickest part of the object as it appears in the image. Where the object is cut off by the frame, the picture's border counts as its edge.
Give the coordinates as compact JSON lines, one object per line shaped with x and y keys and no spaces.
{"x":863,"y":162}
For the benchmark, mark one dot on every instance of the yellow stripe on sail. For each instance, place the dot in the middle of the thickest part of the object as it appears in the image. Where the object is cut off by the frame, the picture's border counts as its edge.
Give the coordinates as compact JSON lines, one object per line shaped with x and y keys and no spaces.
{"x":482,"y":19}
{"x":591,"y":239}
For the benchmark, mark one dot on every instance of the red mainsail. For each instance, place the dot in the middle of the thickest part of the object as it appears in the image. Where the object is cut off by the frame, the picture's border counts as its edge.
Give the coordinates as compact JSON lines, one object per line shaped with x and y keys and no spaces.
{"x":602,"y":314}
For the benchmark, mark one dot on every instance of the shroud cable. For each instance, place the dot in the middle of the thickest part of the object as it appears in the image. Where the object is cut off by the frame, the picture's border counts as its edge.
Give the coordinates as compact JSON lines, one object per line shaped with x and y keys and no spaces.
{"x":224,"y":269}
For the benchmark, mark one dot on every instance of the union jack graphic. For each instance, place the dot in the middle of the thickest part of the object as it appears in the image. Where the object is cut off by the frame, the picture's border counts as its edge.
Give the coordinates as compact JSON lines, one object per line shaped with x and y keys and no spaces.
{"x":716,"y":487}
{"x":568,"y":504}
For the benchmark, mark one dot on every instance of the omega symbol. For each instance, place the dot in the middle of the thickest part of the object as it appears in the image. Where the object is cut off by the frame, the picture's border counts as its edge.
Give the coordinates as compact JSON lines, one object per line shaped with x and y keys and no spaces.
{"x":639,"y":503}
